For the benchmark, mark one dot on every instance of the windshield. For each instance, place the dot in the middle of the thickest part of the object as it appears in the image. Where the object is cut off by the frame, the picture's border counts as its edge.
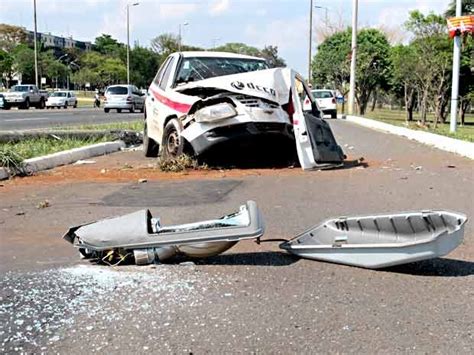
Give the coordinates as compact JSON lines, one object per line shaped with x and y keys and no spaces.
{"x":19,"y":88}
{"x":58,"y":94}
{"x":322,"y":94}
{"x":117,"y":90}
{"x":193,"y":69}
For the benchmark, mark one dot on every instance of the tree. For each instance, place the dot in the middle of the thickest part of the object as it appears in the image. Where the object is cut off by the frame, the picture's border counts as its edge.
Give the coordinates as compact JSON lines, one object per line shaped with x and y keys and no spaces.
{"x":143,"y":66}
{"x":11,"y":36}
{"x":331,"y":65}
{"x":270,"y":53}
{"x":107,"y":45}
{"x":433,"y":51}
{"x":240,"y":48}
{"x":404,"y":61}
{"x":165,"y":44}
{"x":23,"y":62}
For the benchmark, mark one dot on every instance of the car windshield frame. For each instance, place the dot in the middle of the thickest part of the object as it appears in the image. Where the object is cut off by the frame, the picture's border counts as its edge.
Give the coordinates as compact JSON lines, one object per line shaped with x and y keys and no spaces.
{"x":113,"y":88}
{"x":19,"y":88}
{"x":317,"y":94}
{"x":200,"y":68}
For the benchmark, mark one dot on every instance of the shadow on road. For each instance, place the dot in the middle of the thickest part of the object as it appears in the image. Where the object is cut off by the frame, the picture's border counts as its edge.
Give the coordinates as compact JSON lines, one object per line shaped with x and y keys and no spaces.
{"x":435,"y":267}
{"x":255,"y":259}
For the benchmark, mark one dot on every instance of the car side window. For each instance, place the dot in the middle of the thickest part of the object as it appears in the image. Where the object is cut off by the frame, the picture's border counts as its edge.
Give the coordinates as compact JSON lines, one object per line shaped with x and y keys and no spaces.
{"x":158,"y":75}
{"x":166,"y":74}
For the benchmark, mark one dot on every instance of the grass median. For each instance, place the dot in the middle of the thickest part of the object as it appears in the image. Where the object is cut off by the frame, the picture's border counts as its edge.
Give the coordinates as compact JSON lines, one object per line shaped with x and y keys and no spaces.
{"x":397,"y":118}
{"x":36,"y":147}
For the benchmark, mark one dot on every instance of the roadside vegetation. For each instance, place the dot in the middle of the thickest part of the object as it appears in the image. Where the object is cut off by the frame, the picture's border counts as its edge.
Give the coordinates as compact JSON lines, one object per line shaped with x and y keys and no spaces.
{"x":410,"y":68}
{"x":180,"y":163}
{"x":136,"y":126}
{"x":14,"y":153}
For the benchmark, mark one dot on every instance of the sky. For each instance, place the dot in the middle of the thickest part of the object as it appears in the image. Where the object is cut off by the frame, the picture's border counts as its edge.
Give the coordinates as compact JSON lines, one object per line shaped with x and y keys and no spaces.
{"x":283,"y":23}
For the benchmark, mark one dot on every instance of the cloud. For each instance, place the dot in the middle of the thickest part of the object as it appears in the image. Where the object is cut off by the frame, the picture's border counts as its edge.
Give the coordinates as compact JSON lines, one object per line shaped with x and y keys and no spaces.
{"x":180,"y":10}
{"x":219,"y":6}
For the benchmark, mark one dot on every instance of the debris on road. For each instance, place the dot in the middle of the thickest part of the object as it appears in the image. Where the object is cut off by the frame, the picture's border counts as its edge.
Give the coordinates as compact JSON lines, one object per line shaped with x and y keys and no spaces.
{"x":141,"y":181}
{"x":140,"y":237}
{"x":43,"y":204}
{"x":380,"y":241}
{"x":84,"y":162}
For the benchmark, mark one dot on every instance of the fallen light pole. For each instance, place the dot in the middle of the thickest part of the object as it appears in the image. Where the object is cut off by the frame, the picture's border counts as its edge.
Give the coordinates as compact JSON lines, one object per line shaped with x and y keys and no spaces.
{"x":455,"y":82}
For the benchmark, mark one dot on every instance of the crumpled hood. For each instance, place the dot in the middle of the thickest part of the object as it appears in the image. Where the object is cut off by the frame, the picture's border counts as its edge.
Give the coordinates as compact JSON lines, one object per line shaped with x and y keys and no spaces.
{"x":269,"y":84}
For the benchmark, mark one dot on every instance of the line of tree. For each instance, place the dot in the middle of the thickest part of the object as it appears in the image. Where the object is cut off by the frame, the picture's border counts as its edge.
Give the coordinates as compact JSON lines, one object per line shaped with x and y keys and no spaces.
{"x":105,"y":64}
{"x":416,"y":75}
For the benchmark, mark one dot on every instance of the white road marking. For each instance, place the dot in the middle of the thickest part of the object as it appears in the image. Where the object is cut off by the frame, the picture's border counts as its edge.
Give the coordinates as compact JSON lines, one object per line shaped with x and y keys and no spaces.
{"x":28,"y":119}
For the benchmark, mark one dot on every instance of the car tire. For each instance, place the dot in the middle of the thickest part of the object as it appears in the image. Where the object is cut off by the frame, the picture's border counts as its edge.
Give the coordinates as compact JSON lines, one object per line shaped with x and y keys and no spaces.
{"x":173,"y":144}
{"x":65,"y":105}
{"x":142,"y":110}
{"x":41,"y":105}
{"x":75,"y":105}
{"x":6,"y":107}
{"x":26,"y":105}
{"x":132,"y":108}
{"x":150,"y":147}
{"x":334,"y":114}
{"x":119,"y":110}
{"x":106,"y":110}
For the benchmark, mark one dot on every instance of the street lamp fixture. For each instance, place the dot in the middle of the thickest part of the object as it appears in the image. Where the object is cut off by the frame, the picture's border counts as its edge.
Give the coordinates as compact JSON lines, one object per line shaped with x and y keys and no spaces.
{"x":128,"y":39}
{"x":326,"y":13}
{"x":179,"y":34}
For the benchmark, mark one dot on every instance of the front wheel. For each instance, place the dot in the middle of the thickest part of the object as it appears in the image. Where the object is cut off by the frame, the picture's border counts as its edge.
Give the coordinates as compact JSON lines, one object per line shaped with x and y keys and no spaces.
{"x":42,"y":104}
{"x":119,"y":110}
{"x":26,"y":105}
{"x":65,"y":105}
{"x":150,"y":147}
{"x":173,"y":144}
{"x":106,"y":110}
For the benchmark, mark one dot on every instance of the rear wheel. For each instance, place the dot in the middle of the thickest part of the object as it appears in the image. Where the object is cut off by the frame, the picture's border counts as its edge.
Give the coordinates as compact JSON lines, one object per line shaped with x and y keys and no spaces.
{"x":150,"y":147}
{"x":6,"y":106}
{"x":119,"y":110}
{"x":75,"y":104}
{"x":173,"y":144}
{"x":132,"y":108}
{"x":334,"y":114}
{"x":106,"y":110}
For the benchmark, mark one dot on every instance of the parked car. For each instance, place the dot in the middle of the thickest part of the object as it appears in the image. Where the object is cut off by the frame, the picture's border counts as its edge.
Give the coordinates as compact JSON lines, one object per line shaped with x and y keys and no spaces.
{"x":24,"y":96}
{"x":199,"y":100}
{"x":2,"y":101}
{"x":63,"y":99}
{"x":124,"y":97}
{"x":326,"y":101}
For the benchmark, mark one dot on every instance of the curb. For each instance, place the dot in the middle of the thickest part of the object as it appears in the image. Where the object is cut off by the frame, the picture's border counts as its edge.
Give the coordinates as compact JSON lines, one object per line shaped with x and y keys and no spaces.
{"x":66,"y":157}
{"x":452,"y":145}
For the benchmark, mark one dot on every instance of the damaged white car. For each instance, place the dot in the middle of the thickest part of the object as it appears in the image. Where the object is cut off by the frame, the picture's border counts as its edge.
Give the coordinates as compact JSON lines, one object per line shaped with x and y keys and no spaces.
{"x":199,"y":100}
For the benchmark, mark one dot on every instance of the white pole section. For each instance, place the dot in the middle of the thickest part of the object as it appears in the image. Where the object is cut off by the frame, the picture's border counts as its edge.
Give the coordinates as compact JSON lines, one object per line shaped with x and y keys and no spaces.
{"x":128,"y":44}
{"x":353,"y":58}
{"x":310,"y":39}
{"x":35,"y":44}
{"x":455,"y":82}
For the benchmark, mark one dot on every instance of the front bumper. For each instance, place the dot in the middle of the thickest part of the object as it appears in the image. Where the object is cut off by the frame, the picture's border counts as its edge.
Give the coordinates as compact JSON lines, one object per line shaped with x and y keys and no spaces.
{"x":12,"y":101}
{"x":55,"y":104}
{"x":238,"y":132}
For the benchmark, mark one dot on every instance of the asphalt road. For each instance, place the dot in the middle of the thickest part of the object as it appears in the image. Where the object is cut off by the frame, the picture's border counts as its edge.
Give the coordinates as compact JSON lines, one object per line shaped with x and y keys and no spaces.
{"x":254,"y":298}
{"x":39,"y":119}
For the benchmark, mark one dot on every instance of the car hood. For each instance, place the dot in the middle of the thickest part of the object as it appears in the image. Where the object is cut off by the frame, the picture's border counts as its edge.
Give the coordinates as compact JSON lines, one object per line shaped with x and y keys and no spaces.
{"x":56,"y":99}
{"x":269,"y":84}
{"x":13,"y":93}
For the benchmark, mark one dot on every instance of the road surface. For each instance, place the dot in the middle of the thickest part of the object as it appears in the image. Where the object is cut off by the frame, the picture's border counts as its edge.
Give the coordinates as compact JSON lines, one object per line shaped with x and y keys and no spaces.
{"x":252,"y":299}
{"x":39,"y":119}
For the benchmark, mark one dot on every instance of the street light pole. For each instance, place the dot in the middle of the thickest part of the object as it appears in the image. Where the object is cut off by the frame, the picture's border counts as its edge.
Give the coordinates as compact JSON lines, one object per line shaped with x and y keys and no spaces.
{"x":310,"y":39}
{"x":35,"y":44}
{"x":353,"y":57}
{"x":128,"y":41}
{"x":179,"y":34}
{"x":326,"y":14}
{"x":455,"y":81}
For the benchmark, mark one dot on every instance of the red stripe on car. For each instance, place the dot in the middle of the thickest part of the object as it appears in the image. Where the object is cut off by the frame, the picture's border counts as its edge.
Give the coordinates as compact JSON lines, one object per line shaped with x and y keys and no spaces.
{"x":177,"y":106}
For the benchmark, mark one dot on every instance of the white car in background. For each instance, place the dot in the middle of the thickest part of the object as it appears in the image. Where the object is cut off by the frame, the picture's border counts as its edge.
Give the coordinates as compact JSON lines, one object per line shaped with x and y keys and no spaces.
{"x":62,"y":99}
{"x":124,"y":97}
{"x":326,"y":101}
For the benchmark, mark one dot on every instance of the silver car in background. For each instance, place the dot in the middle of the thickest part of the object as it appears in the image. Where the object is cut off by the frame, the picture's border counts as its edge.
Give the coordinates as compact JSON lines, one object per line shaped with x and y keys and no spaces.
{"x":62,"y":99}
{"x":124,"y":97}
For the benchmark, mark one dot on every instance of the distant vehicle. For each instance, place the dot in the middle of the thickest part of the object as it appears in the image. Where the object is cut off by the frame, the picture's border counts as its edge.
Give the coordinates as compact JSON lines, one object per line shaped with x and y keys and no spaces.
{"x":2,"y":101}
{"x":124,"y":97}
{"x":62,"y":99}
{"x":24,"y":96}
{"x":326,"y":101}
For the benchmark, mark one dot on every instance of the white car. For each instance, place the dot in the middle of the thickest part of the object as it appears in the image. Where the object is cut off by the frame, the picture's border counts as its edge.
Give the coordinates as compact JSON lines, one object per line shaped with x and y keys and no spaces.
{"x":124,"y":97}
{"x":62,"y":99}
{"x":326,"y":101}
{"x":199,"y":100}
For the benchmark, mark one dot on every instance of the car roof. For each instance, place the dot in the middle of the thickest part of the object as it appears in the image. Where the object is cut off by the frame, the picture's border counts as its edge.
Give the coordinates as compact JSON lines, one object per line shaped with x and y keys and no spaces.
{"x":212,"y":54}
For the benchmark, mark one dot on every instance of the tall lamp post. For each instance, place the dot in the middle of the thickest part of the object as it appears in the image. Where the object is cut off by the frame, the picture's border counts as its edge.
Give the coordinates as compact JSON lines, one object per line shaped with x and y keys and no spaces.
{"x":326,"y":13}
{"x":310,"y":39}
{"x":128,"y":40}
{"x":179,"y":34}
{"x":353,"y":57}
{"x":455,"y":81}
{"x":35,"y":45}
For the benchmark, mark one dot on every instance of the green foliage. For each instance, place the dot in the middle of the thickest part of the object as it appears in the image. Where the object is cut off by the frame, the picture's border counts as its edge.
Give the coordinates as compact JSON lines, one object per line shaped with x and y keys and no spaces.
{"x":10,"y":159}
{"x":467,"y":8}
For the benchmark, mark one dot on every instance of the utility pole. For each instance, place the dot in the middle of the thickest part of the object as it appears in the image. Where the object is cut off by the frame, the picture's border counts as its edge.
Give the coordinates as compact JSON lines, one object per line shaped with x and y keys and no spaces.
{"x":455,"y":82}
{"x":128,"y":41}
{"x":180,"y":36}
{"x":353,"y":58}
{"x":35,"y":44}
{"x":310,"y":39}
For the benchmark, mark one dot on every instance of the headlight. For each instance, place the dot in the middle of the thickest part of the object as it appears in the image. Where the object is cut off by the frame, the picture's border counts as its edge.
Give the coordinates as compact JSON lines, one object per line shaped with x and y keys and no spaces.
{"x":215,"y":112}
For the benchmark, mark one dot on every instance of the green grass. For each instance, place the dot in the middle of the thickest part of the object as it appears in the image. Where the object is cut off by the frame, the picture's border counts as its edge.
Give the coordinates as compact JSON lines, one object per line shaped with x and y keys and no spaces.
{"x":31,"y":148}
{"x":128,"y":126}
{"x":397,"y":117}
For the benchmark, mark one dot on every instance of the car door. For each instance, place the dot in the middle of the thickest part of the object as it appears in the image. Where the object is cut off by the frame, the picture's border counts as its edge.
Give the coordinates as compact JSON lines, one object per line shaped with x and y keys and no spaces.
{"x":315,"y":142}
